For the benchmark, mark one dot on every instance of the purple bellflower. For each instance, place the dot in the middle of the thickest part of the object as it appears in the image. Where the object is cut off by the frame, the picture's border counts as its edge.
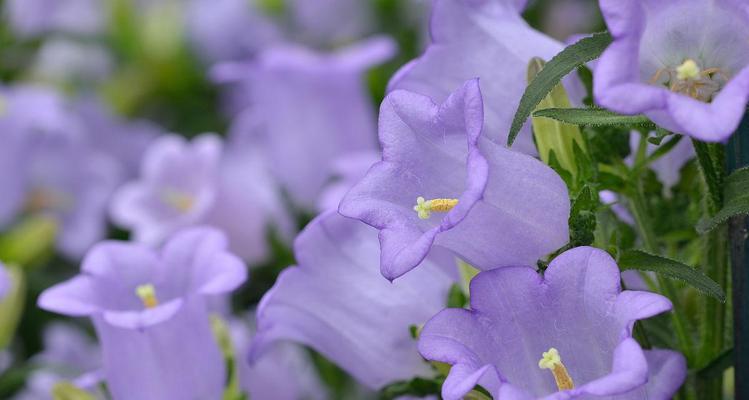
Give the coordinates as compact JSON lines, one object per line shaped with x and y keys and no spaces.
{"x":284,"y":372}
{"x":150,"y":314}
{"x":223,"y":188}
{"x":565,"y":335}
{"x":337,"y":302}
{"x":683,"y":63}
{"x":487,"y":39}
{"x":442,"y":182}
{"x":294,"y":115}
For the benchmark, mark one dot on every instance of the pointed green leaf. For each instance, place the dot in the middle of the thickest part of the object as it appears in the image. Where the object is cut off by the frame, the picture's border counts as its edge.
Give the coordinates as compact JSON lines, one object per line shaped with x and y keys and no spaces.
{"x":592,"y":117}
{"x":587,"y":49}
{"x":642,"y":261}
{"x":736,"y":201}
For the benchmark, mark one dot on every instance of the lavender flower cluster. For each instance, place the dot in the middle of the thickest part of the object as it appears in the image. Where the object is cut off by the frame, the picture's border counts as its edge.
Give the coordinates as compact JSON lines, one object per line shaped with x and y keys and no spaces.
{"x":207,"y":193}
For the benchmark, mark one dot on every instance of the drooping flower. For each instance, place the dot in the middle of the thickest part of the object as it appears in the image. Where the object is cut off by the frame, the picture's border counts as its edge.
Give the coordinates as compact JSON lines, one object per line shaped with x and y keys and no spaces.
{"x":225,"y":189}
{"x":443,"y":183}
{"x":336,"y":302}
{"x":684,"y":64}
{"x":69,"y":355}
{"x":294,"y":115}
{"x":56,"y":171}
{"x":284,"y":372}
{"x":487,"y":39}
{"x":37,"y":17}
{"x":150,"y":314}
{"x":565,"y":335}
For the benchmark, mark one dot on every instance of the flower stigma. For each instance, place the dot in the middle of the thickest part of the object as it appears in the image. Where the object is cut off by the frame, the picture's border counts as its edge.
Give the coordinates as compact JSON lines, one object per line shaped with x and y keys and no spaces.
{"x":147,"y":294}
{"x":552,"y":361}
{"x":425,"y":207}
{"x":181,"y":201}
{"x":691,"y":80}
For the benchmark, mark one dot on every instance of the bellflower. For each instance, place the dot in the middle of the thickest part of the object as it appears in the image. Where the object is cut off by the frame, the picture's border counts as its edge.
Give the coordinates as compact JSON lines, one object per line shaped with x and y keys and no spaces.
{"x":37,"y":17}
{"x":442,"y":182}
{"x":69,"y":354}
{"x":5,"y":282}
{"x":224,"y":30}
{"x":228,"y":190}
{"x":294,"y":115}
{"x":150,"y":314}
{"x":284,"y":372}
{"x":336,"y":302}
{"x":682,"y":63}
{"x":565,"y":335}
{"x":486,"y":39}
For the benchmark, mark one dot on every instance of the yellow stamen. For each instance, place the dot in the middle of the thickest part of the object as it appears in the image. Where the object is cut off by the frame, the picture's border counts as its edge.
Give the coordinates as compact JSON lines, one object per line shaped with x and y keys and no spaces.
{"x":147,"y":294}
{"x":688,"y":70}
{"x":425,"y":207}
{"x":181,"y":201}
{"x":552,"y":361}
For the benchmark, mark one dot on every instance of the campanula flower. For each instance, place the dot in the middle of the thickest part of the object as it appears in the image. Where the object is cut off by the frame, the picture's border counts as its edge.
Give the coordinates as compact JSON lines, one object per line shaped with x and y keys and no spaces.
{"x":336,"y":302}
{"x":683,"y":63}
{"x":442,"y":183}
{"x":564,"y":335}
{"x":150,"y":312}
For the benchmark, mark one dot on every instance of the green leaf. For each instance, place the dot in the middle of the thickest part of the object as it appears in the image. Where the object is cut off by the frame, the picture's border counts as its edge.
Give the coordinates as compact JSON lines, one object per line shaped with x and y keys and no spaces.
{"x":592,"y":117}
{"x":642,"y":261}
{"x":736,"y":201}
{"x":417,"y":387}
{"x":717,"y":366}
{"x":587,"y":49}
{"x":455,"y":297}
{"x":583,"y":217}
{"x":67,"y":391}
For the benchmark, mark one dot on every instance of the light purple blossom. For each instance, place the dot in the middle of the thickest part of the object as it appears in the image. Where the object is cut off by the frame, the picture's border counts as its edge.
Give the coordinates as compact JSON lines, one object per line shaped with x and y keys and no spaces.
{"x":336,"y":302}
{"x":70,"y":62}
{"x":36,"y":17}
{"x":576,"y":308}
{"x":683,"y":63}
{"x":225,"y":188}
{"x":55,"y":171}
{"x":69,"y":355}
{"x":502,"y":207}
{"x":150,"y":314}
{"x":5,"y":282}
{"x":224,"y":30}
{"x":295,"y":117}
{"x":284,"y":372}
{"x":487,"y":39}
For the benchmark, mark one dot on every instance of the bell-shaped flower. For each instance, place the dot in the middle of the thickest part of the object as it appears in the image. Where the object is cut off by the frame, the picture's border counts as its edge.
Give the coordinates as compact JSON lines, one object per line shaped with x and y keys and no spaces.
{"x":487,"y":39}
{"x":564,"y":335}
{"x":223,"y":188}
{"x":336,"y":302}
{"x":296,"y":98}
{"x":683,"y":63}
{"x":150,"y":312}
{"x":442,"y":182}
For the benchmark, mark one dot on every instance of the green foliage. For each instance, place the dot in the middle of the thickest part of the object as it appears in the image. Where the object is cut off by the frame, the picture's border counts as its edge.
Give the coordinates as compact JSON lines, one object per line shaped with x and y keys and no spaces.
{"x":456,"y":298}
{"x":642,"y":261}
{"x":67,"y":391}
{"x":592,"y":117}
{"x":572,"y":57}
{"x":417,"y":387}
{"x":583,"y":217}
{"x":736,"y":201}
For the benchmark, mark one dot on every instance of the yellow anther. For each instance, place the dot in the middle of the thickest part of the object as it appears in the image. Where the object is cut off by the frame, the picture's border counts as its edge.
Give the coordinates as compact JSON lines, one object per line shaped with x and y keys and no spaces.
{"x":147,"y":294}
{"x":552,"y":361}
{"x":181,"y":201}
{"x":425,"y":207}
{"x":688,"y":70}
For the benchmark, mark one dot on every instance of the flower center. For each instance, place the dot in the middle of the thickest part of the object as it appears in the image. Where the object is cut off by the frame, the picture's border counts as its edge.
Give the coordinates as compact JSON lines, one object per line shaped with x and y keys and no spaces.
{"x":147,"y":294}
{"x":181,"y":201}
{"x":552,"y":361}
{"x":691,"y":80}
{"x":425,"y":207}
